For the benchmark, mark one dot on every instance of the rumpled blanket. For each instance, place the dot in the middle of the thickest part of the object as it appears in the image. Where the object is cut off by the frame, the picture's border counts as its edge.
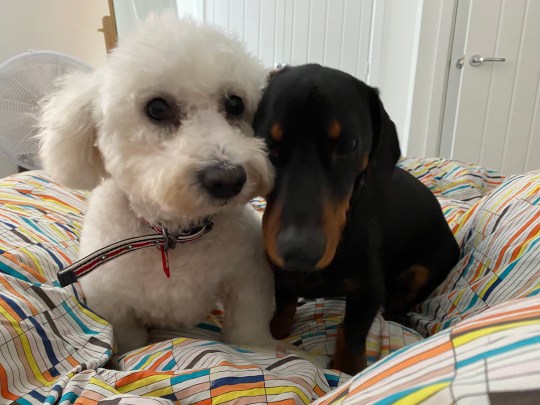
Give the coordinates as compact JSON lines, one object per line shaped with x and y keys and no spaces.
{"x":476,"y":336}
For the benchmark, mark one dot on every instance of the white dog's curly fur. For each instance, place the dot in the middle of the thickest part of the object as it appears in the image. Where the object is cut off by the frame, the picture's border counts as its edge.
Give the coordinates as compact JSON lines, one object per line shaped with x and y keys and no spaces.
{"x":97,"y":132}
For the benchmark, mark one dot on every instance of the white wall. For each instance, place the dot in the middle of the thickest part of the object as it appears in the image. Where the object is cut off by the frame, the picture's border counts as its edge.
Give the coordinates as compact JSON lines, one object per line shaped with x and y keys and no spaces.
{"x":68,"y":26}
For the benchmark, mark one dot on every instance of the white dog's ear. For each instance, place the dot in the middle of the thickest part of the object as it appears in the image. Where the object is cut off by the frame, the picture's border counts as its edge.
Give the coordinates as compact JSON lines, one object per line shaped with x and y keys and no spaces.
{"x":68,"y":133}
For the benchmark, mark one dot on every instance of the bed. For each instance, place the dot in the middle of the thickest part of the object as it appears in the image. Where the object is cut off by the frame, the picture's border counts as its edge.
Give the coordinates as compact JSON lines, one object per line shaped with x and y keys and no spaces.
{"x":475,"y":340}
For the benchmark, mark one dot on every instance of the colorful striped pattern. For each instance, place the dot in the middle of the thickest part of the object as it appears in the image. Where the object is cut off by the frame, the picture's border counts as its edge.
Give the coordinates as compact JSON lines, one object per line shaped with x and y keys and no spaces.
{"x":482,"y":359}
{"x":500,"y":241}
{"x":452,"y":179}
{"x":46,"y":334}
{"x":457,"y":185}
{"x":54,"y":350}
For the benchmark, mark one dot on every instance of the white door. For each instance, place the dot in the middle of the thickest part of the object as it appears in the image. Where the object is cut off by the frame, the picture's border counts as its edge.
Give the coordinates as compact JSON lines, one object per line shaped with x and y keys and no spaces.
{"x":492,"y":111}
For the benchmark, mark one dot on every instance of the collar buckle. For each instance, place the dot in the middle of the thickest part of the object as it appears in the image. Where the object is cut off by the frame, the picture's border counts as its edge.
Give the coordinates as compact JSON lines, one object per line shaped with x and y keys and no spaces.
{"x":168,"y":241}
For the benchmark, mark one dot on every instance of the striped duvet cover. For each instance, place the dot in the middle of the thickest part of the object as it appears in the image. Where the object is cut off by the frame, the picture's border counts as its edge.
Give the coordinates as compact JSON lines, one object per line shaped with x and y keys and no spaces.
{"x":476,"y":339}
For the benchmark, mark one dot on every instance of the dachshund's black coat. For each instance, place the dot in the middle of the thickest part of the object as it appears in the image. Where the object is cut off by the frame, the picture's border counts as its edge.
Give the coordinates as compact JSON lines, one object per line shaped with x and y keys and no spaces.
{"x":342,"y":220}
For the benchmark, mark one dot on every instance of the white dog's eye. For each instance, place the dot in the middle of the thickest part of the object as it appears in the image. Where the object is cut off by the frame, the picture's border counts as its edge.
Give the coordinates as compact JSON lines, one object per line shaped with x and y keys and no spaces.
{"x":234,"y":106}
{"x":159,"y":111}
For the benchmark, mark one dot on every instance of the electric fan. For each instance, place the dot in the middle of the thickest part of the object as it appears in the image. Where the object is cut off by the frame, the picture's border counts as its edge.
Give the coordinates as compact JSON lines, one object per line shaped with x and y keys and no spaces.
{"x":25,"y":80}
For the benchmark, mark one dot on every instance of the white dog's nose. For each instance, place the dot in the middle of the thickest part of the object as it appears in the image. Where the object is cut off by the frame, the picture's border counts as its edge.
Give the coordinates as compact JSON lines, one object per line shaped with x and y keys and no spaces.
{"x":223,"y":181}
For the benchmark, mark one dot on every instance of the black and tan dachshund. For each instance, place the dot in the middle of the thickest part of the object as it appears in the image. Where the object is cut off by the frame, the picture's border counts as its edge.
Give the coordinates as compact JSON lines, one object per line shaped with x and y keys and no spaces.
{"x":342,"y":220}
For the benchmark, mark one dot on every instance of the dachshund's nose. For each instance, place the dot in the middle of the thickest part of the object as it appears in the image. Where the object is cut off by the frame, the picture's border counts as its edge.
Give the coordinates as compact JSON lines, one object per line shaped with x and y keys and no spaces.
{"x":223,"y":181}
{"x":301,"y":248}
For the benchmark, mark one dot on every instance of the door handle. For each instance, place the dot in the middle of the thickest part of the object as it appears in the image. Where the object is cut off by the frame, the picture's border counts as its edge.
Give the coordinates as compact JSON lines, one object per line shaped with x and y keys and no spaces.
{"x":477,"y":60}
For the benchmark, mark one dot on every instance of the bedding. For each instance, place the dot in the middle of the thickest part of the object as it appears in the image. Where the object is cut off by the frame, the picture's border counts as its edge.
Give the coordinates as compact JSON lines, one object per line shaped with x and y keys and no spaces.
{"x":476,"y":337}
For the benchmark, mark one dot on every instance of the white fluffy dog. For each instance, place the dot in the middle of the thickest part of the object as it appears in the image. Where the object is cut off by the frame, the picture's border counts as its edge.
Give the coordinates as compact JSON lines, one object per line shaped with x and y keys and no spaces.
{"x":163,"y":133}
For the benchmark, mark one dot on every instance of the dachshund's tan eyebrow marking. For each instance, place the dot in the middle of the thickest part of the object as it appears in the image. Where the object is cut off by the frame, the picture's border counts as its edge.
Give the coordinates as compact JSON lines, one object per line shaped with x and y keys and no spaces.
{"x":334,"y":130}
{"x":276,"y":132}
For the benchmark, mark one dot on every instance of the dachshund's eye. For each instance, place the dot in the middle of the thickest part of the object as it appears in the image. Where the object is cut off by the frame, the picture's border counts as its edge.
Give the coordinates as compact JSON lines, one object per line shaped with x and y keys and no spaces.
{"x":234,"y":106}
{"x":346,"y":146}
{"x":159,"y":111}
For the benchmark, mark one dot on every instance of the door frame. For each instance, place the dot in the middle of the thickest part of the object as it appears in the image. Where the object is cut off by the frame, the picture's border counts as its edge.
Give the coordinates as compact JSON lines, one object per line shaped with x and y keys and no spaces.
{"x":453,"y":79}
{"x":433,"y":64}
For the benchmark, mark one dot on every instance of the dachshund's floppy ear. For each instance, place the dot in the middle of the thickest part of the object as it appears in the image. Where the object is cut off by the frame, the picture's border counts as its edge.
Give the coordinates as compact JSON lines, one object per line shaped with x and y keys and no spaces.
{"x":385,"y":150}
{"x":67,"y":133}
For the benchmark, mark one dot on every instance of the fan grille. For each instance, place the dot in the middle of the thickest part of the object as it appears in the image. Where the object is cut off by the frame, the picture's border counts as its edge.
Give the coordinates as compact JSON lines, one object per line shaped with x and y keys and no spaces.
{"x":24,"y":81}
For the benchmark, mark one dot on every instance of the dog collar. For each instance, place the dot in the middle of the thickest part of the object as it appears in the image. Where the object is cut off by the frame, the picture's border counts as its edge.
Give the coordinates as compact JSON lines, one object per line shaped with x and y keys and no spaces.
{"x":171,"y":240}
{"x":161,"y":239}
